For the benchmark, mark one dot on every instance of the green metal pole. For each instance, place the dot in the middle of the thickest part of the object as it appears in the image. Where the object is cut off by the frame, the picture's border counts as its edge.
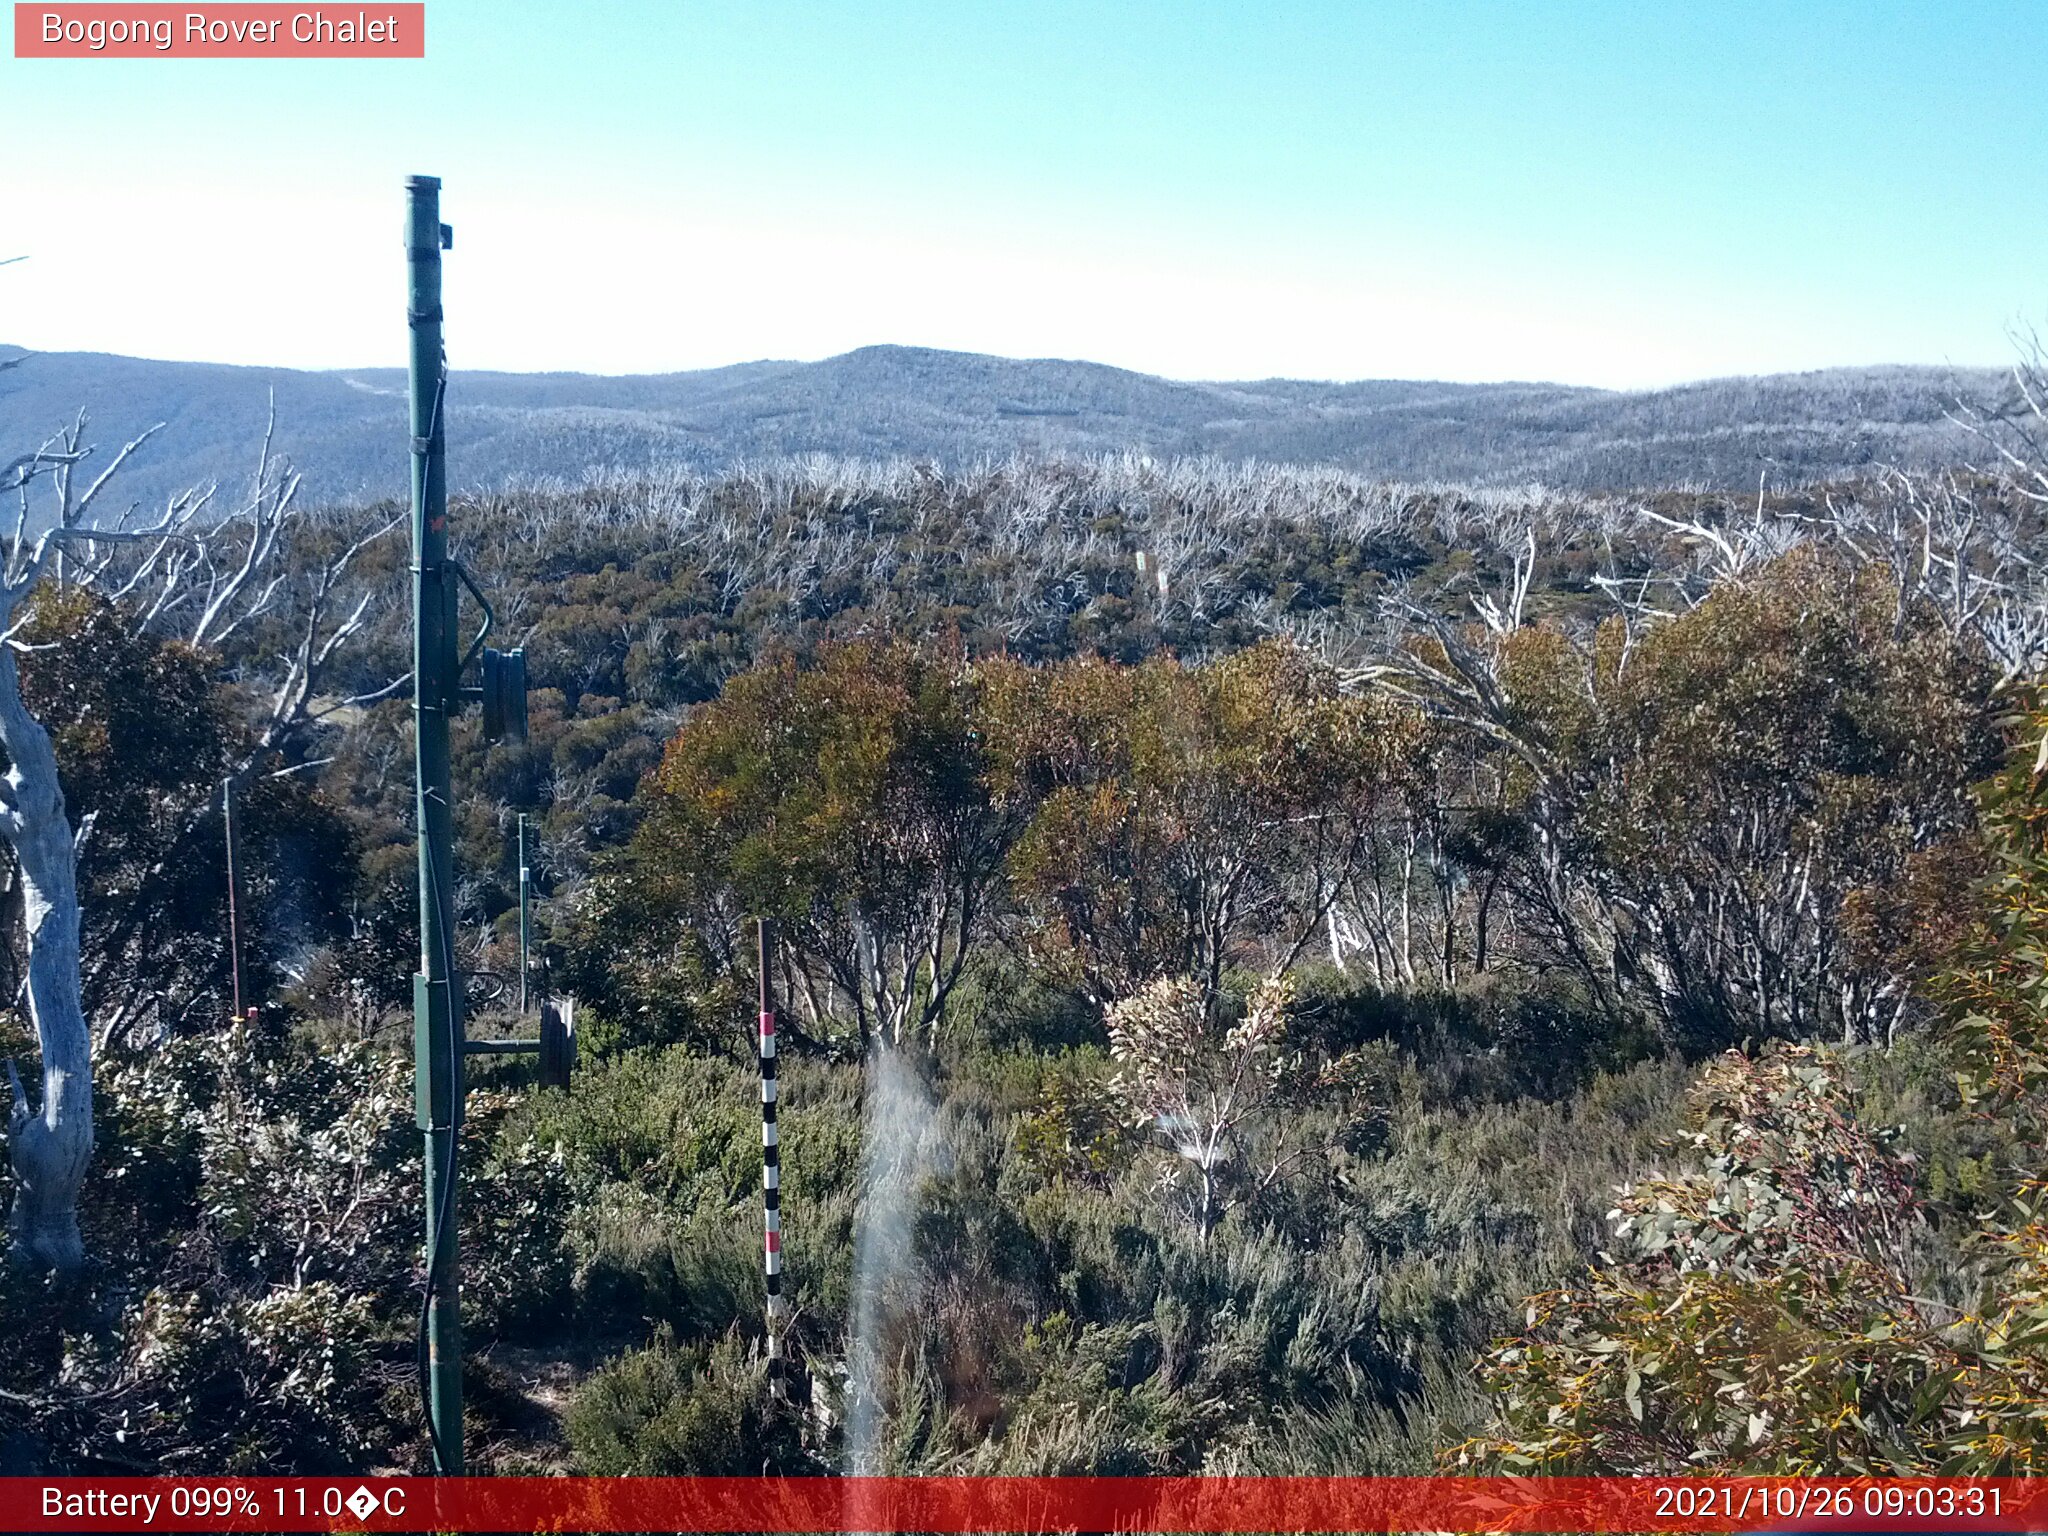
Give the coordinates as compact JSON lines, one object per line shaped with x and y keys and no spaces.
{"x":525,"y":890}
{"x":437,"y":1015}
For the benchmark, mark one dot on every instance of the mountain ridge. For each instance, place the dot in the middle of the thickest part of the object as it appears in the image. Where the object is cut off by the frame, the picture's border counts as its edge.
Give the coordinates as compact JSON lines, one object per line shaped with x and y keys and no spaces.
{"x":345,"y":428}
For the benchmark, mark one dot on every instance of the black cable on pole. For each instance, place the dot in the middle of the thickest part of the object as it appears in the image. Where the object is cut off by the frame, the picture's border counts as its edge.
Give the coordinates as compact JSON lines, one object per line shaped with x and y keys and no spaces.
{"x":437,"y":1255}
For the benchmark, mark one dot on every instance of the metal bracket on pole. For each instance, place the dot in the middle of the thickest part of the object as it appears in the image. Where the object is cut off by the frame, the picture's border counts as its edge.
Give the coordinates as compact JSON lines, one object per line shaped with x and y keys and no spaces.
{"x":556,"y":1046}
{"x":437,"y":1082}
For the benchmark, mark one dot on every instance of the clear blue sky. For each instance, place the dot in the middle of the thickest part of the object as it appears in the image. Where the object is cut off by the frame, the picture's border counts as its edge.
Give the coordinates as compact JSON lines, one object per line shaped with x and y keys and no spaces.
{"x":1617,"y":194}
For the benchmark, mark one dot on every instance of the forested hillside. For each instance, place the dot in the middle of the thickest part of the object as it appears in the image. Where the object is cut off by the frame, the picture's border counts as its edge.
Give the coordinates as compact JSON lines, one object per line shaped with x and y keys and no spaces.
{"x":1239,"y":927}
{"x":346,"y":429}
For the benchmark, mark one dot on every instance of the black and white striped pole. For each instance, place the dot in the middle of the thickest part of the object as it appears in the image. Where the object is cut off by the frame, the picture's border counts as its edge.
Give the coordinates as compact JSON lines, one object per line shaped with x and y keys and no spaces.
{"x":771,"y":1166}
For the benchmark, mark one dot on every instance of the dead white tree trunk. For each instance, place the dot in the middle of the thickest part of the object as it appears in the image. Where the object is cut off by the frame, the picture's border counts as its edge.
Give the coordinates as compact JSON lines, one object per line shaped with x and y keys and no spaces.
{"x":48,"y":1146}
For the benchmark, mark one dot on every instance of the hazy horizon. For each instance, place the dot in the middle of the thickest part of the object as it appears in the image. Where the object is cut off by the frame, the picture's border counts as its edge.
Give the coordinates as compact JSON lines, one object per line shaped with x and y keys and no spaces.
{"x":1096,"y":362}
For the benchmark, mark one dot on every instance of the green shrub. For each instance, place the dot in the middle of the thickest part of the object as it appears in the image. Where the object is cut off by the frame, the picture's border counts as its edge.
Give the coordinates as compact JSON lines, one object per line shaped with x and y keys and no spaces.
{"x":684,"y":1411}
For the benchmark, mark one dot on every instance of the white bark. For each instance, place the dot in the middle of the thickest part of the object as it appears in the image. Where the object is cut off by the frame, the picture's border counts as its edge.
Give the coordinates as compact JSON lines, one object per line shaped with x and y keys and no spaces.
{"x":48,"y":1146}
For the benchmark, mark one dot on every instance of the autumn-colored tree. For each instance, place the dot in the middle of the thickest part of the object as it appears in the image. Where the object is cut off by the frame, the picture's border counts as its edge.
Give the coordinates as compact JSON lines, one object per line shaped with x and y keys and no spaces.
{"x":1183,"y":817}
{"x":1766,"y":1312}
{"x":849,"y":800}
{"x":1700,"y":798}
{"x":1758,"y":760}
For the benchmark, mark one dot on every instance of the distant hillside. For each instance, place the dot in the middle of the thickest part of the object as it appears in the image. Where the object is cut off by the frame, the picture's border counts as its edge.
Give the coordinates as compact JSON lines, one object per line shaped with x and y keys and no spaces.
{"x":346,"y":430}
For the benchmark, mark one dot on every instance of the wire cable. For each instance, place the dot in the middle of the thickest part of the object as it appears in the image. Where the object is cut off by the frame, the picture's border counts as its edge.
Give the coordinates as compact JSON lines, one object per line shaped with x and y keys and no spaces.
{"x":438,"y":1248}
{"x":437,"y":1255}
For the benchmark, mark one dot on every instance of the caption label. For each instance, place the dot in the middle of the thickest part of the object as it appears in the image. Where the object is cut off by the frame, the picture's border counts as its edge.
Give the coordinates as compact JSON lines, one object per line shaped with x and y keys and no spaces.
{"x":256,"y":31}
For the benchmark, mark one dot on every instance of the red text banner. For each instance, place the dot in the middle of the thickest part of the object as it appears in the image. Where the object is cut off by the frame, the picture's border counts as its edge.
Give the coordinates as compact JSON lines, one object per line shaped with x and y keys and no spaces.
{"x":232,"y":31}
{"x":992,"y":1504}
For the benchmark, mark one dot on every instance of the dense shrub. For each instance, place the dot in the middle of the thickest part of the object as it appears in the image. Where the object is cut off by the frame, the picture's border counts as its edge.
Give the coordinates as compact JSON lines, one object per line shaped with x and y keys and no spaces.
{"x":683,"y":1411}
{"x":257,"y":1203}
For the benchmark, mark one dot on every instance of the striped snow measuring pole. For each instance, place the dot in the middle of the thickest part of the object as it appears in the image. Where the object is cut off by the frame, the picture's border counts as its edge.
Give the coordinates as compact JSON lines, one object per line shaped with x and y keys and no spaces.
{"x":771,"y":1165}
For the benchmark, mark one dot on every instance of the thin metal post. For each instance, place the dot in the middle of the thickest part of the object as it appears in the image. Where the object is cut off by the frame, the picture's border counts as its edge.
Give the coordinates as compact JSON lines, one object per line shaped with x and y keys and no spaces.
{"x":771,"y":1164}
{"x":227,"y":817}
{"x":437,"y":1000}
{"x":525,"y":897}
